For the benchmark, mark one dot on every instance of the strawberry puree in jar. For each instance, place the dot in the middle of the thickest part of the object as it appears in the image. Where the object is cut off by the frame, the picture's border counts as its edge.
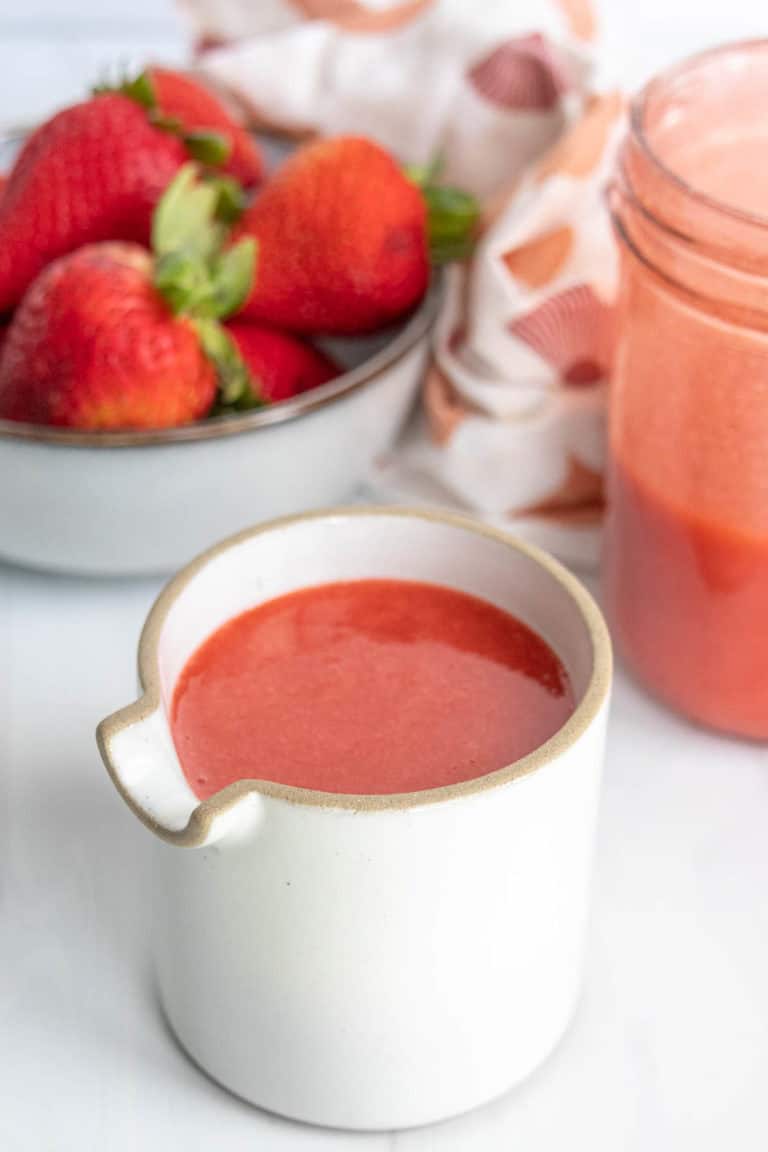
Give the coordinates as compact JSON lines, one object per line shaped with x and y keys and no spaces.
{"x":686,"y":556}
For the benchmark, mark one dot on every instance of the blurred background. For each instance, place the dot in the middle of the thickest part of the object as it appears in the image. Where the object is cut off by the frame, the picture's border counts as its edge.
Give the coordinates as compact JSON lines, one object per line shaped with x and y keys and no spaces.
{"x":50,"y":51}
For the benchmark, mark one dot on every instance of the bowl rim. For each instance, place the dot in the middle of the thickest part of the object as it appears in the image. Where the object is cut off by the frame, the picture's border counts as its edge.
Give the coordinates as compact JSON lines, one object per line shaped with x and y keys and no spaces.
{"x":416,"y":326}
{"x":150,"y":702}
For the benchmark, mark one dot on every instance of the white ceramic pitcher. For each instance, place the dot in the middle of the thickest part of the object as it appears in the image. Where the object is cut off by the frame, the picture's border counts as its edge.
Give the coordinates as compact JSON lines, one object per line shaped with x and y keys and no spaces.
{"x":369,"y":961}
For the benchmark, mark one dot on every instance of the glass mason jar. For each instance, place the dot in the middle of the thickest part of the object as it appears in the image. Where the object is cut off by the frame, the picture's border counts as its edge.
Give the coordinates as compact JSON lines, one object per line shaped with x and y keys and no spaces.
{"x":686,"y":551}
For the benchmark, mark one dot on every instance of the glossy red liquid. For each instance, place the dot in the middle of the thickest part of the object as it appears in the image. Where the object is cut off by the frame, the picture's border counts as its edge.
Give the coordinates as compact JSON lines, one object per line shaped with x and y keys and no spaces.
{"x":688,"y":601}
{"x":371,"y":686}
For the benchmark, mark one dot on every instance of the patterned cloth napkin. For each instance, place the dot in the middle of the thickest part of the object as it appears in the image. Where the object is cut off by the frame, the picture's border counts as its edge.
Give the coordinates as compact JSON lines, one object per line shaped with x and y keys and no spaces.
{"x":512,"y":422}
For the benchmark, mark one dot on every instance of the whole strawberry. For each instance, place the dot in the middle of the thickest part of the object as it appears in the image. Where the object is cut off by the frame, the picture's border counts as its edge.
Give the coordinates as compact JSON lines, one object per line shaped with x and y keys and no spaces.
{"x":342,"y":236}
{"x":178,"y":95}
{"x":110,"y":337}
{"x":93,"y":345}
{"x":94,"y":172}
{"x":282,"y":365}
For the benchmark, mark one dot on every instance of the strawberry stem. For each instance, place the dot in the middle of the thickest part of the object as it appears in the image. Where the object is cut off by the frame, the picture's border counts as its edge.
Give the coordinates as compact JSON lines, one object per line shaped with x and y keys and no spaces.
{"x":141,"y":89}
{"x":452,"y":216}
{"x":211,"y":148}
{"x":235,"y":388}
{"x":231,"y":201}
{"x":201,"y":277}
{"x":138,"y":88}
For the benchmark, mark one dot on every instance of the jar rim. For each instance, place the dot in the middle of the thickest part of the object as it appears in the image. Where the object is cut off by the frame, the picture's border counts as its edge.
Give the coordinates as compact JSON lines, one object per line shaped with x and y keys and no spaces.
{"x":637,"y":110}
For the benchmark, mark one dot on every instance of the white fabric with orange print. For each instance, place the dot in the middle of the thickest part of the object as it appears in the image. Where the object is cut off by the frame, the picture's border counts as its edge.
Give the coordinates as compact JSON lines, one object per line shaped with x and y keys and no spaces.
{"x":512,"y":422}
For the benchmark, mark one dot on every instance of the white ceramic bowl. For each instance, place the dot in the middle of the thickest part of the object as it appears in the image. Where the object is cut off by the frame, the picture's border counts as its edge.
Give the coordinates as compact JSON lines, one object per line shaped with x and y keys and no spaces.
{"x":146,"y":502}
{"x":369,"y":961}
{"x":117,"y":503}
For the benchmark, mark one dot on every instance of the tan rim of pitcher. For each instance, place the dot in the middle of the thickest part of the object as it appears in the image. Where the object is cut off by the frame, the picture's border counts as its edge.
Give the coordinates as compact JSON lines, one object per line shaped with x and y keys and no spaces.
{"x":196,"y":830}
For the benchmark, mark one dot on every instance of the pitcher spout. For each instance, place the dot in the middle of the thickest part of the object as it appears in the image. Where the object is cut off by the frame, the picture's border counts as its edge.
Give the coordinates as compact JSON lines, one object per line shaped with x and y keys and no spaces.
{"x":138,"y":752}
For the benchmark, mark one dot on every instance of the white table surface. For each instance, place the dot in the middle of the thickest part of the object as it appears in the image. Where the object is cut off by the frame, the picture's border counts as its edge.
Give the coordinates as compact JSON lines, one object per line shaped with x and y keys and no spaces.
{"x":669,"y":1050}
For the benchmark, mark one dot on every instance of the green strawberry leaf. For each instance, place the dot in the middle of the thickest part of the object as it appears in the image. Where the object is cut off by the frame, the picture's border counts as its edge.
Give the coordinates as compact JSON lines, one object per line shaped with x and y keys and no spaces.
{"x":233,"y":275}
{"x":231,"y":201}
{"x":206,"y":289}
{"x":139,"y":89}
{"x":193,"y":271}
{"x":183,"y":280}
{"x":211,"y":148}
{"x":184,"y":217}
{"x":452,"y":215}
{"x":235,"y":386}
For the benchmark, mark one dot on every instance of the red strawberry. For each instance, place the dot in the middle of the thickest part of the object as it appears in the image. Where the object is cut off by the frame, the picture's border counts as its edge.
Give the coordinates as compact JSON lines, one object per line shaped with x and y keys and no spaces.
{"x":3,"y":182}
{"x":107,"y":337}
{"x":180,"y":96}
{"x":280,"y":366}
{"x":93,"y":345}
{"x":94,"y":172}
{"x":342,"y":237}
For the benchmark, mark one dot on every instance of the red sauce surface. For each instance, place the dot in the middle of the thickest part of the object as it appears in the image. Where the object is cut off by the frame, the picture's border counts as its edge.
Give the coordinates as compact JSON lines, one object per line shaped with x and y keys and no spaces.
{"x":371,"y":686}
{"x":688,"y":602}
